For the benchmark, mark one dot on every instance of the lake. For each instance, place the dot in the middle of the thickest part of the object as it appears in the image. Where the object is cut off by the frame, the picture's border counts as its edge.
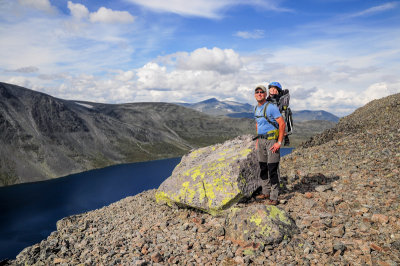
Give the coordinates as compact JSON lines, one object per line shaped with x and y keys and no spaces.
{"x":29,"y":212}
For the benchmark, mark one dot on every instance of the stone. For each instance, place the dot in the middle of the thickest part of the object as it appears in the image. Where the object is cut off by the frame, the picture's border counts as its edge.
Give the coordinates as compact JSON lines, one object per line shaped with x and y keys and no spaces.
{"x":336,"y":200}
{"x":396,"y":244}
{"x":238,"y":260}
{"x":203,"y":229}
{"x":323,"y":188}
{"x":156,"y":257}
{"x":308,"y":195}
{"x":260,"y":224}
{"x":219,"y":231}
{"x":338,"y":231}
{"x":376,"y":247}
{"x":380,"y":218}
{"x":59,"y":260}
{"x":339,"y":246}
{"x":213,"y":178}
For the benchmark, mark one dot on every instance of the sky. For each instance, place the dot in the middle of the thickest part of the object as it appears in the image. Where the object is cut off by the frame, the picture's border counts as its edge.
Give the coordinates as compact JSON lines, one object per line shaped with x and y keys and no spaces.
{"x":332,"y":55}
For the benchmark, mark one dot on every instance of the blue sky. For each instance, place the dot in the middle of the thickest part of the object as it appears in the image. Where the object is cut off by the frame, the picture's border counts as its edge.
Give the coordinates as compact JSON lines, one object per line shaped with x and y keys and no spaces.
{"x":334,"y":55}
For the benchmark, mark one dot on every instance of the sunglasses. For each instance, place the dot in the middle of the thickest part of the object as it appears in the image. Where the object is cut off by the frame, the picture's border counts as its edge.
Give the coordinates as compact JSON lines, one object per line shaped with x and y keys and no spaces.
{"x":257,"y":92}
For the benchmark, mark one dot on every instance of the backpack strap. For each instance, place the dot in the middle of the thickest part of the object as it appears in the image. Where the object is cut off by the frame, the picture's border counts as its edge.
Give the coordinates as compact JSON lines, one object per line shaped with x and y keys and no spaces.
{"x":265,"y":115}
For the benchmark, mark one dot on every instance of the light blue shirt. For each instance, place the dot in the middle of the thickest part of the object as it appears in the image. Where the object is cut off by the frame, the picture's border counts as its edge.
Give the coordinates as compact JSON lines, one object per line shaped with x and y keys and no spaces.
{"x":263,"y":126}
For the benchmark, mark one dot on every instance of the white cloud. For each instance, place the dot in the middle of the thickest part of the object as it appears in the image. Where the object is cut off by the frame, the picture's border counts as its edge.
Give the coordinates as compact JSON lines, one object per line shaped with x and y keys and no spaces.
{"x":61,"y":44}
{"x":375,"y":9}
{"x":43,"y":5}
{"x":78,"y":11}
{"x":379,"y":90}
{"x":204,"y":8}
{"x":312,"y":87}
{"x":215,"y":59}
{"x":125,"y":75}
{"x":103,"y":15}
{"x":256,"y":34}
{"x":351,"y":66}
{"x":152,"y":75}
{"x":110,"y":16}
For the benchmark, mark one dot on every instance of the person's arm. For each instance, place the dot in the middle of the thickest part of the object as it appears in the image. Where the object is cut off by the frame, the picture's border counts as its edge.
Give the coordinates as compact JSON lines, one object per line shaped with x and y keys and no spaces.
{"x":282,"y":125}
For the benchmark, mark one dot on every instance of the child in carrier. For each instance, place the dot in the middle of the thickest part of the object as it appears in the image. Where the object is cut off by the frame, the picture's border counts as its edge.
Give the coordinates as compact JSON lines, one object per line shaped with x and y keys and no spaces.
{"x":281,"y":99}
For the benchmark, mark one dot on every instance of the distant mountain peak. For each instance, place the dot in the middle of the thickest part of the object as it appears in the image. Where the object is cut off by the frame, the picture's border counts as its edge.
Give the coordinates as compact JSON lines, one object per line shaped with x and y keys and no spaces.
{"x":211,"y":100}
{"x":214,"y":107}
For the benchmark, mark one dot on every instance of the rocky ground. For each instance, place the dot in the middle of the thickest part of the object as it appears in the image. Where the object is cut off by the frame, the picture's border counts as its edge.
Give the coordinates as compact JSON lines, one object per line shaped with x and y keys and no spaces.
{"x":341,"y":188}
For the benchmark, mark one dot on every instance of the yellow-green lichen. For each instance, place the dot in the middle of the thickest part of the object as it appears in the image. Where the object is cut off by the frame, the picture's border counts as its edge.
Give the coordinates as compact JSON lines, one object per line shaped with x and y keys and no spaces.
{"x":187,"y":192}
{"x":248,"y":252}
{"x":275,"y":212}
{"x":162,"y":197}
{"x":201,"y":192}
{"x":195,"y":172}
{"x":209,"y":190}
{"x":242,"y":180}
{"x":196,"y":153}
{"x":214,"y":212}
{"x":233,"y":210}
{"x":256,"y":218}
{"x":231,"y":199}
{"x":245,"y":152}
{"x":265,"y":230}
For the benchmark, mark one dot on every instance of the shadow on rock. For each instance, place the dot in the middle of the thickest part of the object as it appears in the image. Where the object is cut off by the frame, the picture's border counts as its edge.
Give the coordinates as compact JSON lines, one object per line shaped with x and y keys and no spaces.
{"x":309,"y":183}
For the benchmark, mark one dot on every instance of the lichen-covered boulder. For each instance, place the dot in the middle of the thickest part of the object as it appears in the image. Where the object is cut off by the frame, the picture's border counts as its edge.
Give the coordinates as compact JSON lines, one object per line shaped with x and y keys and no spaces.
{"x":259,"y":223}
{"x":213,"y":178}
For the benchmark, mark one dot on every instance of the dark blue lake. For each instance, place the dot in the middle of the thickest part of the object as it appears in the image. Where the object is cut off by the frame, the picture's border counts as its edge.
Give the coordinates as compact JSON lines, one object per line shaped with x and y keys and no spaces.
{"x":29,"y":212}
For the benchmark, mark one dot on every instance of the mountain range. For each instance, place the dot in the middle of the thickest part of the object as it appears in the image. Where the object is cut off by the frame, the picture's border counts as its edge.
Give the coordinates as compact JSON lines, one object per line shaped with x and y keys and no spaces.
{"x":44,"y":137}
{"x":215,"y":107}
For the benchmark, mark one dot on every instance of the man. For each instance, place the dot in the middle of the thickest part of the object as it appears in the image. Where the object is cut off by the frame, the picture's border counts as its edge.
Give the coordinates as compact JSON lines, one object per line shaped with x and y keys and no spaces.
{"x":270,"y":129}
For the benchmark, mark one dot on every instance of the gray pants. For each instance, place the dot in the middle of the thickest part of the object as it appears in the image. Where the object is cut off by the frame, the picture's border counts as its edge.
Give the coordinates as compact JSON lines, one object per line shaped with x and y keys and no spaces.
{"x":269,"y":165}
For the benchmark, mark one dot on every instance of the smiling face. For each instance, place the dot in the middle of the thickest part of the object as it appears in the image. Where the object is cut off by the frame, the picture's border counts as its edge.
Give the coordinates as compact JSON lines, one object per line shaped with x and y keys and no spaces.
{"x":273,"y":91}
{"x":260,"y":96}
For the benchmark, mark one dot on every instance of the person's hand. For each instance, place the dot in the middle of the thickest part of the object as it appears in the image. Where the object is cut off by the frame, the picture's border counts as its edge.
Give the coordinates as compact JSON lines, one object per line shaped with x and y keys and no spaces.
{"x":275,"y":147}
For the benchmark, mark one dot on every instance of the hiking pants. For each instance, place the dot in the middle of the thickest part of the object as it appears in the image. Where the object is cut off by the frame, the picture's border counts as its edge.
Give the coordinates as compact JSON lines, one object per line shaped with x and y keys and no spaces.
{"x":269,"y":166}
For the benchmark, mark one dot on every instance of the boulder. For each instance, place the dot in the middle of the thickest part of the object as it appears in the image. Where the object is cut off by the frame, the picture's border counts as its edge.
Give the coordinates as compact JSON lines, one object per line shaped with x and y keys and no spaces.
{"x":213,"y":178}
{"x":259,"y":224}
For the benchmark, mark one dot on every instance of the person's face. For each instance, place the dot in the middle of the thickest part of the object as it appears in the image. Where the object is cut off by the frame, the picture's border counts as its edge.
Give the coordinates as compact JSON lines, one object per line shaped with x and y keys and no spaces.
{"x":273,"y":91}
{"x":260,"y":95}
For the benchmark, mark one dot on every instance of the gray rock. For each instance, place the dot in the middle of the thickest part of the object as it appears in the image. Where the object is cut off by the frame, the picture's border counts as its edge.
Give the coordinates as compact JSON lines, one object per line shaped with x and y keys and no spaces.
{"x":261,"y":224}
{"x":323,"y":188}
{"x":338,"y":231}
{"x":213,"y":178}
{"x":339,"y":246}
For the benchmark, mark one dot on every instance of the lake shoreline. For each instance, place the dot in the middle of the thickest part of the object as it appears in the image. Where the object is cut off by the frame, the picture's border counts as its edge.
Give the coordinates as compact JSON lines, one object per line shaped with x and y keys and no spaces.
{"x":37,"y":227}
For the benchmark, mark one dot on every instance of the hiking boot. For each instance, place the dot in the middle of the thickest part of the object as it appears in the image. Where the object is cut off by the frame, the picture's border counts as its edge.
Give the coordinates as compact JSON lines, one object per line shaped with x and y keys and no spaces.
{"x":272,"y":202}
{"x":262,"y":196}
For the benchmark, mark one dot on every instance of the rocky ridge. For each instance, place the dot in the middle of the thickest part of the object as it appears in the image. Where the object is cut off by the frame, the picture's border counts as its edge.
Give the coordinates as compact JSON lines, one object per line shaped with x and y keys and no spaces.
{"x":341,"y":188}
